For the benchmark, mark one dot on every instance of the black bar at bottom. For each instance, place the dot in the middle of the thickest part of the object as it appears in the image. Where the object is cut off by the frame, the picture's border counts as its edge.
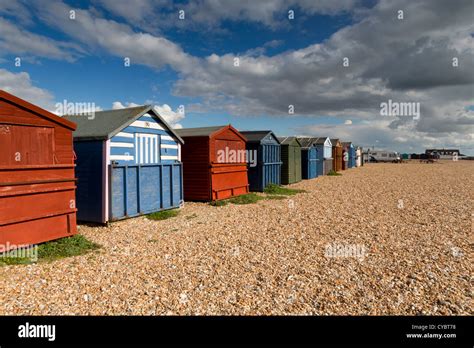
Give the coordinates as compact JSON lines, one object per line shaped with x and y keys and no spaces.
{"x":334,"y":330}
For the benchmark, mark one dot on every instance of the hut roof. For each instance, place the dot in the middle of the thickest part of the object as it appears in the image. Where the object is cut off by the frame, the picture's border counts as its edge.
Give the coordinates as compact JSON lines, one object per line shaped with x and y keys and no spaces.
{"x":257,"y":136}
{"x":198,"y":131}
{"x":288,"y":140}
{"x":105,"y":124}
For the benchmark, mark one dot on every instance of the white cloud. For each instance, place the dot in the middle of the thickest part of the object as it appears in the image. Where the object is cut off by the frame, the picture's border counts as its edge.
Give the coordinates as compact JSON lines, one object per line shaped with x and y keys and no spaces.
{"x":119,"y":105}
{"x":21,"y":85}
{"x":170,"y":116}
{"x":165,"y":111}
{"x":407,"y":60}
{"x":118,"y":39}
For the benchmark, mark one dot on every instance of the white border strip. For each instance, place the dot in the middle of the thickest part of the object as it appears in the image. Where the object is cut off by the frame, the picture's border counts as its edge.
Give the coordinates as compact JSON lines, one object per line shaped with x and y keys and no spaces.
{"x":169,"y":146}
{"x":124,"y":134}
{"x":169,"y":157}
{"x":118,"y":144}
{"x":105,"y":181}
{"x":122,"y":157}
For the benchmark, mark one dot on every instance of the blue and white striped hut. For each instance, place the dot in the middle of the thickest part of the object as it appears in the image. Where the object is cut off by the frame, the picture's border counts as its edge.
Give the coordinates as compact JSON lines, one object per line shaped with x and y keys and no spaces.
{"x":128,"y":164}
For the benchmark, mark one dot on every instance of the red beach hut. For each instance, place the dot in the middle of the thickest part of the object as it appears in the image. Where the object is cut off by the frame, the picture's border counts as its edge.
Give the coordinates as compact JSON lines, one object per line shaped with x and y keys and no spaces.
{"x":214,"y":163}
{"x":37,"y":184}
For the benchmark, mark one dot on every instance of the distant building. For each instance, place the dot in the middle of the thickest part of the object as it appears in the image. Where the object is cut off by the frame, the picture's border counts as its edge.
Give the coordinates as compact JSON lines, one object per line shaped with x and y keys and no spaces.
{"x":443,"y":153}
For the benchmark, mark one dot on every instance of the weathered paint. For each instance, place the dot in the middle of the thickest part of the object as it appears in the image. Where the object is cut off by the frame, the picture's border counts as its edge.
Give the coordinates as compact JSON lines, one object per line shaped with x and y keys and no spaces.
{"x":37,"y":184}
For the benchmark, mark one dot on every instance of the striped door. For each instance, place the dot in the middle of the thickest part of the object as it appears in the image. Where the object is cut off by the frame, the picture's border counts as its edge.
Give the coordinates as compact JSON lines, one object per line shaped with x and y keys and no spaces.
{"x":147,"y":148}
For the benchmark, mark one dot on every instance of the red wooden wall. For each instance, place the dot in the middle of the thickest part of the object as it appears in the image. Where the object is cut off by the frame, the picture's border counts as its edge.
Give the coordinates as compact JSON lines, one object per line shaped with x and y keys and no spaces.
{"x":228,"y":179}
{"x":205,"y":179}
{"x":37,"y":184}
{"x":196,"y":169}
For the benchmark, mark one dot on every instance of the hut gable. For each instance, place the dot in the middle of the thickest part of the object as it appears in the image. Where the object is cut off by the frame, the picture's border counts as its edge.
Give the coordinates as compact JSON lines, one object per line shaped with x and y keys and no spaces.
{"x":137,"y":135}
{"x":324,"y":144}
{"x":48,"y":142}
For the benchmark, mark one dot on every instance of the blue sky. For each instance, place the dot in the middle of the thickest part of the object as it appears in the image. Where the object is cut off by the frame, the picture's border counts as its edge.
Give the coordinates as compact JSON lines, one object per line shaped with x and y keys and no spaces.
{"x":299,"y":62}
{"x":102,"y":78}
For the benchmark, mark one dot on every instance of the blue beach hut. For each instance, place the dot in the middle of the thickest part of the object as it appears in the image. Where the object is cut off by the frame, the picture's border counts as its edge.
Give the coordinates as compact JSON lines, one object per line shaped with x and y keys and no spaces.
{"x":324,"y":146}
{"x":349,"y":155}
{"x":264,"y":149}
{"x":128,"y":164}
{"x":309,"y":158}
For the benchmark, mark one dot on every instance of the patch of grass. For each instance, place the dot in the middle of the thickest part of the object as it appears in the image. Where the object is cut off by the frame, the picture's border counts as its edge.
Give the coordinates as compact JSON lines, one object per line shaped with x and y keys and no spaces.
{"x":333,"y":173}
{"x":248,"y":198}
{"x":163,"y":215}
{"x":49,"y":251}
{"x":219,"y":203}
{"x":6,"y":260}
{"x":65,"y":247}
{"x":275,"y":197}
{"x":252,"y":197}
{"x":273,"y":189}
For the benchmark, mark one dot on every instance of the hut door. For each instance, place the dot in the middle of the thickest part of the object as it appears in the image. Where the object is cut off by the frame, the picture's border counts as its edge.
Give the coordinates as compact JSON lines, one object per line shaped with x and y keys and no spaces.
{"x":296,"y":163}
{"x":26,"y":145}
{"x":147,"y":148}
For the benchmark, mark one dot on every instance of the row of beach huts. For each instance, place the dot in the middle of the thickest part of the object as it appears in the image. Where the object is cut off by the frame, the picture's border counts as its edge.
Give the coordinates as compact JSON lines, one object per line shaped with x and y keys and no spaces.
{"x":123,"y":163}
